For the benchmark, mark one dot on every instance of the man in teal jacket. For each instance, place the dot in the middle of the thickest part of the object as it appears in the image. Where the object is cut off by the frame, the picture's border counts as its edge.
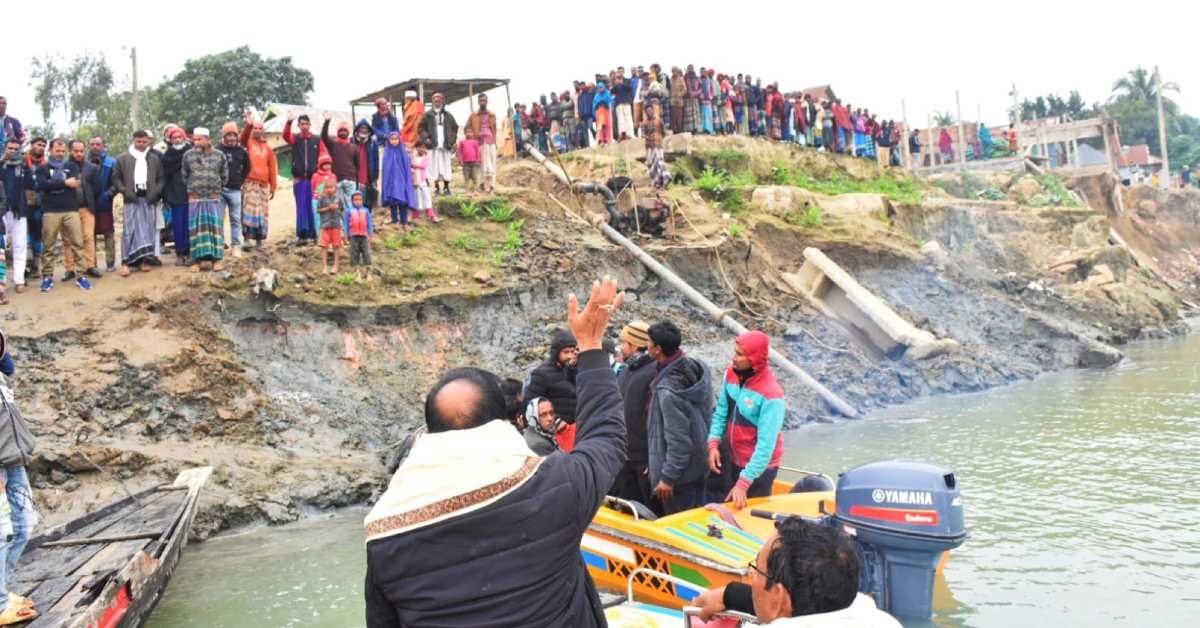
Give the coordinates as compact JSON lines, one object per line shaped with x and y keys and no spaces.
{"x":750,"y":416}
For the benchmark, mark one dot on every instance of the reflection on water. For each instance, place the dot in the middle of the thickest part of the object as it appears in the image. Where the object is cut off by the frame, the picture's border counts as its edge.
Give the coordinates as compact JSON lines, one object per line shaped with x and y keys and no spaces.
{"x":1079,"y":489}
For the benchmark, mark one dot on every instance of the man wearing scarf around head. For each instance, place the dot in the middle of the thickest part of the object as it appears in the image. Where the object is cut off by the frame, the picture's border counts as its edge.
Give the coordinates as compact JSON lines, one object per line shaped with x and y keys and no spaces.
{"x":749,"y":416}
{"x":204,"y":172}
{"x":138,"y":178}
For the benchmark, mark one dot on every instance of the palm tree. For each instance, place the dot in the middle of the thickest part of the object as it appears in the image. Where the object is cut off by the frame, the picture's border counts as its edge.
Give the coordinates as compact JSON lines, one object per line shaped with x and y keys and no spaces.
{"x":943,"y":118}
{"x":1138,"y":85}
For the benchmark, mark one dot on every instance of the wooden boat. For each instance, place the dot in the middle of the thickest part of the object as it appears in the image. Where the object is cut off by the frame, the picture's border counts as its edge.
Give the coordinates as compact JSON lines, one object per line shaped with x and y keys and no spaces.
{"x":697,"y":548}
{"x":109,"y":568}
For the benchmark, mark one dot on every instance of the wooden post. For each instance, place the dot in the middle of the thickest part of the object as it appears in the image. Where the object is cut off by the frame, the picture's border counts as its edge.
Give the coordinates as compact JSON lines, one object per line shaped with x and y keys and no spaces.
{"x":962,"y":145}
{"x":134,"y":104}
{"x":507,"y":96}
{"x":471,"y":97}
{"x":905,"y":154}
{"x":421,"y":92}
{"x":929,"y":140}
{"x":1165,"y":180}
{"x":1107,"y":148}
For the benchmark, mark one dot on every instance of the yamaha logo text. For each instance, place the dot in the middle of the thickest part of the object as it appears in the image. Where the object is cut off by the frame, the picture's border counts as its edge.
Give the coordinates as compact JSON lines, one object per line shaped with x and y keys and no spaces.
{"x":918,"y":498}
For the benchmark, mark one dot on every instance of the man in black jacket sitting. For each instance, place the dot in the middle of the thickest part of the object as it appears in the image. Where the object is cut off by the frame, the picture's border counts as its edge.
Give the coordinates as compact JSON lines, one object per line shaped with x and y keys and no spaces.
{"x":477,"y":530}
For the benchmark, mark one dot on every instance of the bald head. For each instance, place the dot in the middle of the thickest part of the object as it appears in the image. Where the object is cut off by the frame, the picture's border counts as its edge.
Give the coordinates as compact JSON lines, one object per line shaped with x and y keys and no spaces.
{"x":463,"y":399}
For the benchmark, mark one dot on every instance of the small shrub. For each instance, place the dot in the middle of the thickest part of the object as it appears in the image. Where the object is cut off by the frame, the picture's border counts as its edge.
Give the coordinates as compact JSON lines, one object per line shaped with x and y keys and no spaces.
{"x":791,"y":217}
{"x":736,"y":230}
{"x":392,"y":243}
{"x":733,"y":202}
{"x":710,"y":181}
{"x":468,"y":209}
{"x":812,"y":217}
{"x":500,"y":210}
{"x":344,"y":279}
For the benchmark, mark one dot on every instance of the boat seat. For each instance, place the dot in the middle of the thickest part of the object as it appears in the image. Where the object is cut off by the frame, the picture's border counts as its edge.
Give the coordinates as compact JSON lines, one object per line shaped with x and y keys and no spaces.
{"x":630,"y":507}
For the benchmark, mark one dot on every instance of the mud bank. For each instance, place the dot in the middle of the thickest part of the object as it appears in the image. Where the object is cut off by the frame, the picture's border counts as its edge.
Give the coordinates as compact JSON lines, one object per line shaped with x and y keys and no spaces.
{"x":295,"y":392}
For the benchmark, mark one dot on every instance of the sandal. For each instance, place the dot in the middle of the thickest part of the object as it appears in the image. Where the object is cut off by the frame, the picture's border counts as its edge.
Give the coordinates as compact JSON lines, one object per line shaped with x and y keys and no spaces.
{"x":13,"y":615}
{"x":124,"y":272}
{"x":194,"y":268}
{"x":145,"y":268}
{"x":19,"y":601}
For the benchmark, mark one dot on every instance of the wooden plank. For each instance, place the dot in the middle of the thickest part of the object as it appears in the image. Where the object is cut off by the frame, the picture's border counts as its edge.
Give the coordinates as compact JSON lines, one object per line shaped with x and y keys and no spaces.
{"x":49,"y":592}
{"x":74,"y":525}
{"x":66,"y":608}
{"x":105,"y":539}
{"x":113,"y":557}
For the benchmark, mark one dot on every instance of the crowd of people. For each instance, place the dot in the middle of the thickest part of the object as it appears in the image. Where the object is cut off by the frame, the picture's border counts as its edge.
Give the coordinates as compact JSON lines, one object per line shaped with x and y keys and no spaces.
{"x":649,"y":101}
{"x":481,"y":523}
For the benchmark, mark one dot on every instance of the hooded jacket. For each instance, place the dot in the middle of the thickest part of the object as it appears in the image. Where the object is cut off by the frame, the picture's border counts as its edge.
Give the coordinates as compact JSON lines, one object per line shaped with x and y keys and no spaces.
{"x":344,"y":154}
{"x":751,"y":412}
{"x":634,"y":383}
{"x":555,"y":382}
{"x":475,"y":530}
{"x":16,"y":441}
{"x":680,"y":406}
{"x":16,"y":173}
{"x":539,"y":440}
{"x":368,"y":153}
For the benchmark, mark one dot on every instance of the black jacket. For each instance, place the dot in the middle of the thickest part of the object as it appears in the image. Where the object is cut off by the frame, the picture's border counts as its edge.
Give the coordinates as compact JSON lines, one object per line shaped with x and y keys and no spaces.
{"x":56,"y":196}
{"x":634,"y":383}
{"x":516,"y":561}
{"x":239,"y":165}
{"x":86,"y":194}
{"x":175,"y":190}
{"x":428,"y":128}
{"x":554,"y":382}
{"x":681,"y":410}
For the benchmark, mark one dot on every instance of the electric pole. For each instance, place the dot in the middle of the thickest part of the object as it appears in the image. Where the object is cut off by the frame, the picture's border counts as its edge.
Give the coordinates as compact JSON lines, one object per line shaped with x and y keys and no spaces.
{"x":133,"y":100}
{"x":1164,"y":180}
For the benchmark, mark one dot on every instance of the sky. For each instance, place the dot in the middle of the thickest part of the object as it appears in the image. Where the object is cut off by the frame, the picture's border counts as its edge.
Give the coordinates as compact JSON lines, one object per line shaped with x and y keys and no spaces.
{"x":916,"y":52}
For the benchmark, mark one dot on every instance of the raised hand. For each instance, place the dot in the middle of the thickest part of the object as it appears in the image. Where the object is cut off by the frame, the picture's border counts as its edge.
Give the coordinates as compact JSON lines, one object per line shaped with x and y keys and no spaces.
{"x":590,"y":324}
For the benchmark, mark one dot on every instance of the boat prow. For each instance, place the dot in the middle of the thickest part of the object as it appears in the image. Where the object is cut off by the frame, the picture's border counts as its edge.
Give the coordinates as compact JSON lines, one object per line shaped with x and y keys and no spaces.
{"x":110,"y":567}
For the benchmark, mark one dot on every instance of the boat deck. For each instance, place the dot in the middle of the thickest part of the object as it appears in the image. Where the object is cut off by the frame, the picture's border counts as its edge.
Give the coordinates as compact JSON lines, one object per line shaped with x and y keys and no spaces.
{"x":112,"y":558}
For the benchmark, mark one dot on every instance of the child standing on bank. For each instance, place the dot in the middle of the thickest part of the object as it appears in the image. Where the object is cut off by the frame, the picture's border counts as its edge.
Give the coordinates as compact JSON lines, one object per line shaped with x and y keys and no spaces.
{"x":359,"y":228}
{"x":329,"y":216}
{"x":420,"y":168}
{"x":468,"y":156}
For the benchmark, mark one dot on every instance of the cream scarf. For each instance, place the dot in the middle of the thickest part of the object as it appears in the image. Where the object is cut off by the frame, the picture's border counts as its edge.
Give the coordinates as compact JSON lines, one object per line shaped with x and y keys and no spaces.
{"x":140,"y":169}
{"x":452,"y":473}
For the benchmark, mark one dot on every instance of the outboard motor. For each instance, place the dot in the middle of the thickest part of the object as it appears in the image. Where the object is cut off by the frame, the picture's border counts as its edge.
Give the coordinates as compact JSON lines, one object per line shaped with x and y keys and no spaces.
{"x":904,"y":516}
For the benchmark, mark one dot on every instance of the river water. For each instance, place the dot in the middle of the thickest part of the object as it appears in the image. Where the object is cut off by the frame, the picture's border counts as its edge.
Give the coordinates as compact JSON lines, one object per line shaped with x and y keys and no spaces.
{"x":1080,"y":491}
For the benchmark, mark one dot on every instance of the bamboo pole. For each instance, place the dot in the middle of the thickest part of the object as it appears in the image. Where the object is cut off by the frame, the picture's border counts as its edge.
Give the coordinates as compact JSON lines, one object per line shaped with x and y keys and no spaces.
{"x":1165,"y":180}
{"x":699,"y":300}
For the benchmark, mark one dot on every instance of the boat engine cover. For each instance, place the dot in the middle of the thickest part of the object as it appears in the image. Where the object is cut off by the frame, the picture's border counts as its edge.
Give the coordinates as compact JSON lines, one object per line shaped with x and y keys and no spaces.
{"x":903,"y":515}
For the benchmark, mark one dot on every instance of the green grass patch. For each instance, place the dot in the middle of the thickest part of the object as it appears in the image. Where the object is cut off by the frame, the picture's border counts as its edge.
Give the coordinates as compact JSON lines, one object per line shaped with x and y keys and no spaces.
{"x":898,"y":187}
{"x":344,"y":279}
{"x":469,"y":209}
{"x":736,"y":229}
{"x":464,"y":242}
{"x":1054,"y":194}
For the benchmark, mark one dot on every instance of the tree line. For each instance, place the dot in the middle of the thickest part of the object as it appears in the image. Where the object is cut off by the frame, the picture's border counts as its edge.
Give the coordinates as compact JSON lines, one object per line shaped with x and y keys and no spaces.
{"x":208,"y":91}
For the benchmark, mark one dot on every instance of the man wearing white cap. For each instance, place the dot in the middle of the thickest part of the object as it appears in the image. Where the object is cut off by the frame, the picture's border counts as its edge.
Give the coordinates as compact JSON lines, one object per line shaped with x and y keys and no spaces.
{"x":204,"y":174}
{"x":414,"y":110}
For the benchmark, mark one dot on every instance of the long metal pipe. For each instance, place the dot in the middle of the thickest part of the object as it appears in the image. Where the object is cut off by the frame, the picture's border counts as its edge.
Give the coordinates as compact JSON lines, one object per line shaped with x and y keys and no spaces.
{"x":710,"y":308}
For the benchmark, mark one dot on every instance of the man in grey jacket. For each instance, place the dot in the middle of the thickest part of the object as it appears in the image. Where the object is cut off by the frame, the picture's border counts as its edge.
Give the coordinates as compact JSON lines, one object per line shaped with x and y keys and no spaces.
{"x":681,"y":404}
{"x":17,"y":514}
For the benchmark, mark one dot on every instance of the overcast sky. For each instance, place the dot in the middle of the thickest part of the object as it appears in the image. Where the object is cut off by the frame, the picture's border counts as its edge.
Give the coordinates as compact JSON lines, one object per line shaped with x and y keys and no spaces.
{"x":880,"y":53}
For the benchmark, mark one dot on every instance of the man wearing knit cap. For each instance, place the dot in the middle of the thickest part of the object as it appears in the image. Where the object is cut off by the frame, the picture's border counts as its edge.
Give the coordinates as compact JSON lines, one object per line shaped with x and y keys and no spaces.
{"x":231,"y":195}
{"x":204,"y":173}
{"x":345,"y":159}
{"x":633,"y":380}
